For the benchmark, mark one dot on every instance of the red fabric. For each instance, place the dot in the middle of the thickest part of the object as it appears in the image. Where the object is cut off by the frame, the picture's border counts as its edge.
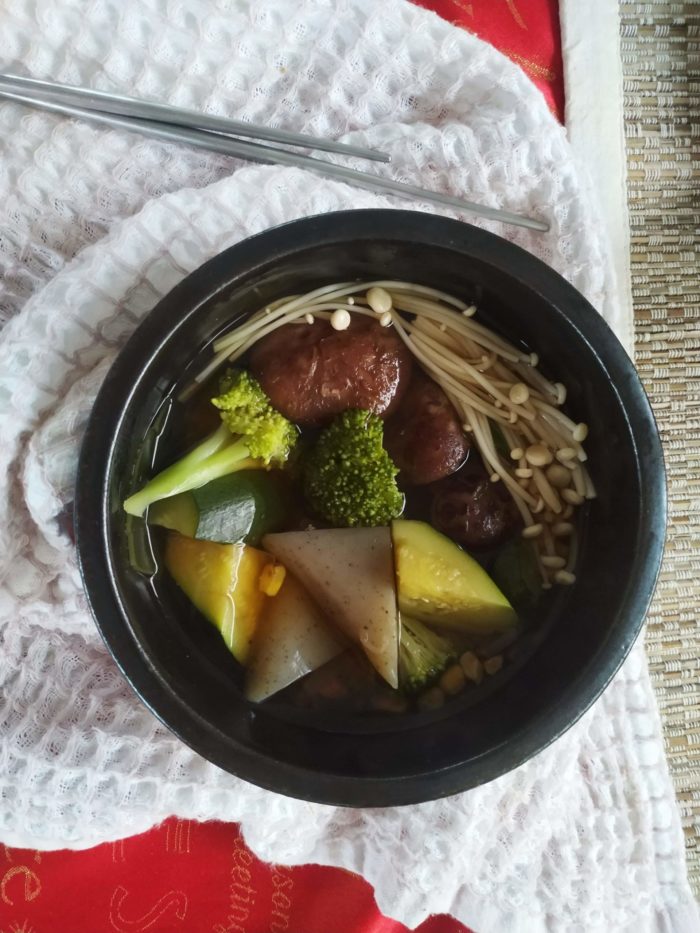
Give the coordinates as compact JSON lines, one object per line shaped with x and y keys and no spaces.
{"x":525,"y":30}
{"x":185,"y":877}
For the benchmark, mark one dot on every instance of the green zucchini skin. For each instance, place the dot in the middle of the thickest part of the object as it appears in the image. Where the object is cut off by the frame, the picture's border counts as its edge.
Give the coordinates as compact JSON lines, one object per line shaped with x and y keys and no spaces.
{"x":240,"y":507}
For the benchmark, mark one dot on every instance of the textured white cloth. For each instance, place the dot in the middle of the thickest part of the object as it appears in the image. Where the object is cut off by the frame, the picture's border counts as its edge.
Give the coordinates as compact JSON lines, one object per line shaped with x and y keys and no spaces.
{"x":584,"y":837}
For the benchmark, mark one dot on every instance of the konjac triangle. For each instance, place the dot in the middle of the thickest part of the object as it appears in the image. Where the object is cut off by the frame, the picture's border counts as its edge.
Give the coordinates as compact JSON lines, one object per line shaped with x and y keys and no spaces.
{"x":292,"y":640}
{"x":350,"y":574}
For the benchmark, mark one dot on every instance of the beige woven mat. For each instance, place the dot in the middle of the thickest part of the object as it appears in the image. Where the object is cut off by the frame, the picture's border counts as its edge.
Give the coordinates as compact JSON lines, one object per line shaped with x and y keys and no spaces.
{"x":661,"y":65}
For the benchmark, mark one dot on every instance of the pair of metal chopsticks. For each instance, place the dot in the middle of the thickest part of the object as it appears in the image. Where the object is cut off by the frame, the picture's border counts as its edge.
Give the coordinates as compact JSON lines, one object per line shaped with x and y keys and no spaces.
{"x":218,"y":134}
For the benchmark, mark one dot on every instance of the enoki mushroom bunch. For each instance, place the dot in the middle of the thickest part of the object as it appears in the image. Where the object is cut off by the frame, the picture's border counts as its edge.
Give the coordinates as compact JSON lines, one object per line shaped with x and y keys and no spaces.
{"x":511,"y":411}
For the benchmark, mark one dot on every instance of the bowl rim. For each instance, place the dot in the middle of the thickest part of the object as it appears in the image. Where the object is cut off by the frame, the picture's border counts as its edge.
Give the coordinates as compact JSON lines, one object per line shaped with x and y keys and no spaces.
{"x":240,"y":261}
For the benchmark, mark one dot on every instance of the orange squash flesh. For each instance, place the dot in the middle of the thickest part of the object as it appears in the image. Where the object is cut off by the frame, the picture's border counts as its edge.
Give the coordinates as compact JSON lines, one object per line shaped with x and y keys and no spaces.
{"x":222,"y":581}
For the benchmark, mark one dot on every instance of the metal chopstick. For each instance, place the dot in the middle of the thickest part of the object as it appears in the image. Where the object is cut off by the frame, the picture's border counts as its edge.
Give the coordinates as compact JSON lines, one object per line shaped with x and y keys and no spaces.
{"x":270,"y":154}
{"x":103,"y":102}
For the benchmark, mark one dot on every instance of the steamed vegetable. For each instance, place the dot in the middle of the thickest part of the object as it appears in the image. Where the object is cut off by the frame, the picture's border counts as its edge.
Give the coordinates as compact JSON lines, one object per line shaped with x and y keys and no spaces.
{"x":350,"y":574}
{"x":251,"y":430}
{"x":423,"y":655}
{"x":349,"y":479}
{"x":228,"y":583}
{"x":239,"y":507}
{"x":292,"y":639}
{"x":441,"y":584}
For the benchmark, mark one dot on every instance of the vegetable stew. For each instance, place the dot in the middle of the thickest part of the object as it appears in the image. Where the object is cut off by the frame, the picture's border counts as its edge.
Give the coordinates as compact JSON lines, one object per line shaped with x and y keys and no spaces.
{"x":371,"y":496}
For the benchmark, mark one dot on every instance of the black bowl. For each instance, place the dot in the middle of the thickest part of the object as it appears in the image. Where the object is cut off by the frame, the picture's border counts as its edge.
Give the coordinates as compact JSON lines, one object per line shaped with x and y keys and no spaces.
{"x":182,"y":671}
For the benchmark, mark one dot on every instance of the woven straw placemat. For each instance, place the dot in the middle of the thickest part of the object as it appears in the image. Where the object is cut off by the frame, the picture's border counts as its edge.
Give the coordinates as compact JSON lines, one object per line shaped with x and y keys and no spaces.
{"x":661,"y":66}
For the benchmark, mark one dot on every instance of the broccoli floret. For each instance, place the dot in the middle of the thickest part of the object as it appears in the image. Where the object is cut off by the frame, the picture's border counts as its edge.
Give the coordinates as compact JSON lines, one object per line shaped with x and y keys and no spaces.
{"x":252,"y":433}
{"x":349,"y":478}
{"x":246,"y":411}
{"x":423,"y":655}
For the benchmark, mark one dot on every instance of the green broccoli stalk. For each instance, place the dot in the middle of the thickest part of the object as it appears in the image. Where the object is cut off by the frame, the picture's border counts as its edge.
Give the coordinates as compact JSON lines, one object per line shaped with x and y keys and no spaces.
{"x":423,"y":655}
{"x":348,"y":477}
{"x":252,"y":433}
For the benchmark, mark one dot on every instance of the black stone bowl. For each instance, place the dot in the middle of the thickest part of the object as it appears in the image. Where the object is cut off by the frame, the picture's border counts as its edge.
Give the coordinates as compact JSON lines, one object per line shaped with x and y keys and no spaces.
{"x":176,"y":662}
